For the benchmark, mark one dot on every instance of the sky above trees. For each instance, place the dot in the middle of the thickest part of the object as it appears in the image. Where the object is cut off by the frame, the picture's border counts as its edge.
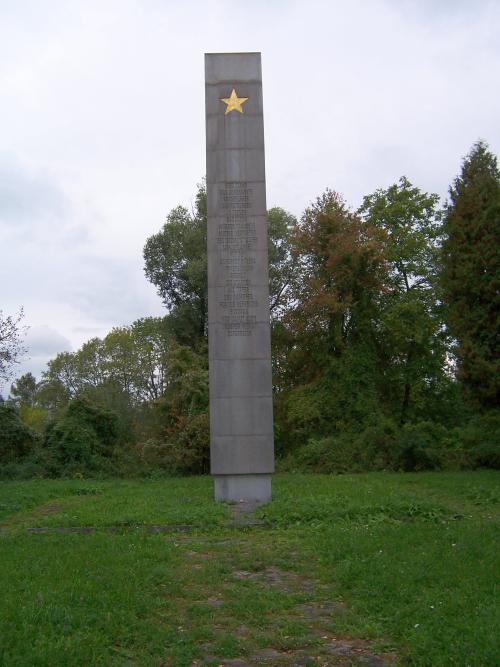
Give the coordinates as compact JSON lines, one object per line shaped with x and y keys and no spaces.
{"x":102,"y":110}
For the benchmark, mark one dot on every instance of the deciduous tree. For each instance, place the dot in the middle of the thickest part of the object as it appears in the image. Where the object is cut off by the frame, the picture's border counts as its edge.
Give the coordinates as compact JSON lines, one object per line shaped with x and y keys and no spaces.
{"x":411,"y":343}
{"x":175,"y":261}
{"x":11,"y":343}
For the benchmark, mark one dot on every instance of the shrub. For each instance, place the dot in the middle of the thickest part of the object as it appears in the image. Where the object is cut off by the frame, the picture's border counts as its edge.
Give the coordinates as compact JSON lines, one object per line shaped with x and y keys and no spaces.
{"x":422,"y":446}
{"x":376,"y":445}
{"x":480,"y":440}
{"x":17,"y":439}
{"x":187,"y":451}
{"x":333,"y":454}
{"x":83,"y":439}
{"x":103,"y":422}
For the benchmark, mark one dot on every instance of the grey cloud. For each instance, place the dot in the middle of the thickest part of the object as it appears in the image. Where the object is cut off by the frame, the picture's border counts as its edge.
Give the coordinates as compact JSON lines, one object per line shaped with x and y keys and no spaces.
{"x":112,"y":290}
{"x":43,"y":343}
{"x":27,"y":196}
{"x":442,"y":9}
{"x":43,"y":340}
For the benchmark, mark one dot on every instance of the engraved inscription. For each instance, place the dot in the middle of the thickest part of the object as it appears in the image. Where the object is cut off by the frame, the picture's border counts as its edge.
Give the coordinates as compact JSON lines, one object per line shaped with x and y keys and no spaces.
{"x":236,"y":245}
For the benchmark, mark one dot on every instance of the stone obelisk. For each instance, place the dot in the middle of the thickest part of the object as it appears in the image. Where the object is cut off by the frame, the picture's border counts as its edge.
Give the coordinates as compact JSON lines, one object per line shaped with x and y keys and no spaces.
{"x":241,"y":413}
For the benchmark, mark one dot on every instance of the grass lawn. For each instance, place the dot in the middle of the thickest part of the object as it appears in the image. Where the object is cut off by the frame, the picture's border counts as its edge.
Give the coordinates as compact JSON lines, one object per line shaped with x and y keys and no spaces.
{"x":375,"y":569}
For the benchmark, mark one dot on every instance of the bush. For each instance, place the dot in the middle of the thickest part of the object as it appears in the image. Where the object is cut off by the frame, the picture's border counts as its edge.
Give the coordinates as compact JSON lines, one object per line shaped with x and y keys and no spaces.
{"x":83,"y":439}
{"x":333,"y":454}
{"x":187,"y":451}
{"x":17,"y":439}
{"x":103,"y":422}
{"x":376,"y":446}
{"x":383,"y":445}
{"x":423,"y":446}
{"x":30,"y":467}
{"x":480,"y":440}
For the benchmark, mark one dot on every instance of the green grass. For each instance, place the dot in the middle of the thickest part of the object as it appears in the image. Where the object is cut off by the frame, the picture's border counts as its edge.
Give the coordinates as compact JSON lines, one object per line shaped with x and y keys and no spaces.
{"x":408,"y":563}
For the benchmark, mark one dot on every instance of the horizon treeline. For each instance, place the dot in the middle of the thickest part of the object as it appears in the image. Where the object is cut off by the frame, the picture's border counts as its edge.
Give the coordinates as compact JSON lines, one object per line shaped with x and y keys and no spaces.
{"x":385,"y":326}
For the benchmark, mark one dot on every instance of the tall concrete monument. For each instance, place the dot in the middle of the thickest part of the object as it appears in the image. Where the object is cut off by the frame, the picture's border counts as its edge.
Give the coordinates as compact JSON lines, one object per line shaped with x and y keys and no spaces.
{"x":241,"y":412}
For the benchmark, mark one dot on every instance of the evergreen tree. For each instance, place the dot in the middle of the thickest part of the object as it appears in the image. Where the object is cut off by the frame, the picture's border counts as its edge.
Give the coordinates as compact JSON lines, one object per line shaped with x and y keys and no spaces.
{"x":471,"y":273}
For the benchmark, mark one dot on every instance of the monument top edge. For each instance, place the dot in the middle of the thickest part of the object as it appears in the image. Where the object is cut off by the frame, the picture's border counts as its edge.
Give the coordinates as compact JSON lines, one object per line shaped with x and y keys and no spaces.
{"x":241,"y":67}
{"x":234,"y":53}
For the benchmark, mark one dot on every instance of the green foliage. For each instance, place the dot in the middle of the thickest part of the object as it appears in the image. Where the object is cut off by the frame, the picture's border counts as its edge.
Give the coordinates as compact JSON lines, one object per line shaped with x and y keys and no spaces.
{"x":333,"y":454}
{"x":23,"y":390}
{"x":282,"y":267}
{"x":82,"y":438}
{"x":17,"y":440}
{"x":364,"y":334}
{"x":410,"y":341}
{"x":325,"y":344}
{"x":176,"y":263}
{"x":376,"y":446}
{"x":130,"y":361}
{"x":181,"y":441}
{"x":25,"y":396}
{"x":422,"y":446}
{"x":470,"y":275}
{"x":480,"y":439}
{"x":34,"y":416}
{"x":386,"y":445}
{"x":103,"y":422}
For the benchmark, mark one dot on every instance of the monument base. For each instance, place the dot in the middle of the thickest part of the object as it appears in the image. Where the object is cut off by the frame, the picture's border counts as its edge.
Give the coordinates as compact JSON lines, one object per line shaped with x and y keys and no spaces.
{"x":243,"y":487}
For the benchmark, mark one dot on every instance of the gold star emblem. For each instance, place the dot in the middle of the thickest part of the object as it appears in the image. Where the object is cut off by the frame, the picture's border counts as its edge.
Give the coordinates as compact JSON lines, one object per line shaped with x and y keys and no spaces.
{"x":233,"y":102}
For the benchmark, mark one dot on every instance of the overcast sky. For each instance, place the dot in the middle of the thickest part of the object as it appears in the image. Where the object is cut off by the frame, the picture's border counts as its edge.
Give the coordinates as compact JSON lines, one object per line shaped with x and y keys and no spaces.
{"x":102,"y":127}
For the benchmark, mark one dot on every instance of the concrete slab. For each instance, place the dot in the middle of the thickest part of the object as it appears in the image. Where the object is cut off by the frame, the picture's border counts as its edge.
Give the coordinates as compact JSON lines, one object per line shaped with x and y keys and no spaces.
{"x":230,"y":453}
{"x":240,"y":377}
{"x":231,"y":67}
{"x":243,"y":487}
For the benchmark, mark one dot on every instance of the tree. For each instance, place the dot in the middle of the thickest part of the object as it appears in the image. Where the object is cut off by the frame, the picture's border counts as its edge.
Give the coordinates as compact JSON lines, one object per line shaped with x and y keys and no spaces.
{"x":282,"y":267}
{"x":176,"y":263}
{"x":23,"y":390}
{"x":153,"y":338}
{"x":184,"y":410}
{"x":471,"y":273}
{"x":16,"y":438}
{"x":60,"y":381}
{"x":329,"y":372}
{"x":341,"y":271}
{"x":130,"y":361}
{"x":410,"y":330}
{"x":24,"y":397}
{"x":11,"y":347}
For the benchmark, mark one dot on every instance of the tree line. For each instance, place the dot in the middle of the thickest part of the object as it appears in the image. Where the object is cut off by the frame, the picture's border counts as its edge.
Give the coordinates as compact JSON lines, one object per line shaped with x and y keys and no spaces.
{"x":384,"y":338}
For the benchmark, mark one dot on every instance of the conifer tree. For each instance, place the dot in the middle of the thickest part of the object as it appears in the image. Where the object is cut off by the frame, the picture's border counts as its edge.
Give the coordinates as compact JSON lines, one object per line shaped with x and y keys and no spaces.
{"x":471,"y":273}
